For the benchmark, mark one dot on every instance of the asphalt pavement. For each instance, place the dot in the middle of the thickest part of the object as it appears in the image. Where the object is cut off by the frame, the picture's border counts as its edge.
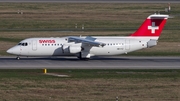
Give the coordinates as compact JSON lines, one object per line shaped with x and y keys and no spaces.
{"x":104,"y":62}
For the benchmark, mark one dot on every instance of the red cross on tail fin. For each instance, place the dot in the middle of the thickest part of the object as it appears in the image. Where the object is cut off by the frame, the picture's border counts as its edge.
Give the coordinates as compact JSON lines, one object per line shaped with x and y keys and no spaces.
{"x":152,"y":26}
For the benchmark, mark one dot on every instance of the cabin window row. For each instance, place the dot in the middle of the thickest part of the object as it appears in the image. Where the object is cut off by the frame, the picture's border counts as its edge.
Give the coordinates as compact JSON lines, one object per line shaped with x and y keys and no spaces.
{"x":108,"y":44}
{"x":51,"y":44}
{"x":114,"y":44}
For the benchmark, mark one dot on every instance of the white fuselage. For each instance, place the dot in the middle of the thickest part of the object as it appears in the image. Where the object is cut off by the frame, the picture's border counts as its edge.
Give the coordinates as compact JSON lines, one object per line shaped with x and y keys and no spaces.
{"x":60,"y":46}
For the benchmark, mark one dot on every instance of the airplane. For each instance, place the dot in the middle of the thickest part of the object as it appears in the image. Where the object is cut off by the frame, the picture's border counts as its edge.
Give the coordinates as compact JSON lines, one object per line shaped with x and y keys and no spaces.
{"x":85,"y":47}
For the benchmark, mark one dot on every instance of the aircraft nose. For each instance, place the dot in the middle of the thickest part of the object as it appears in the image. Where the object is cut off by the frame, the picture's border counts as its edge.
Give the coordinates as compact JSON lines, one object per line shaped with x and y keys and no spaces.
{"x":10,"y":51}
{"x":14,"y":50}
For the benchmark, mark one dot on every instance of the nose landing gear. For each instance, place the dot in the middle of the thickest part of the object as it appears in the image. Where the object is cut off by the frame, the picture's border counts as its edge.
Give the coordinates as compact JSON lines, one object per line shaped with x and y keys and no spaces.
{"x":17,"y":58}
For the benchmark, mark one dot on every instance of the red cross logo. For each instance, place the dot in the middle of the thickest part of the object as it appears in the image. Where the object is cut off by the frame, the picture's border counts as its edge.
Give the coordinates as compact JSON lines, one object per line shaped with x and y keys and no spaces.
{"x":153,"y":28}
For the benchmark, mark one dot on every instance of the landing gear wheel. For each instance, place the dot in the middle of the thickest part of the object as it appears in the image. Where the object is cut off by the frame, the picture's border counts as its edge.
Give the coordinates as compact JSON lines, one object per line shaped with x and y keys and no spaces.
{"x":17,"y":58}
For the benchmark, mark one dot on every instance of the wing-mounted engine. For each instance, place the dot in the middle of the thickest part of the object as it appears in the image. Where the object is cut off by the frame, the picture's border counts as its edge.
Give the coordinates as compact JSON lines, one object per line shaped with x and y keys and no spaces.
{"x":73,"y":49}
{"x":81,"y":46}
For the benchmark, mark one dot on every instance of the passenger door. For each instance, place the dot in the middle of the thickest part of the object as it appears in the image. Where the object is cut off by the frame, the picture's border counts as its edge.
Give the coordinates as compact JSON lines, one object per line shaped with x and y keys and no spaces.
{"x":34,"y":45}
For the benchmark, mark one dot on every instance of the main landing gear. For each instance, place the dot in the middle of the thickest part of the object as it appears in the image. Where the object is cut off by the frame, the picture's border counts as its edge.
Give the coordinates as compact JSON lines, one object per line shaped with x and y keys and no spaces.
{"x":81,"y":57}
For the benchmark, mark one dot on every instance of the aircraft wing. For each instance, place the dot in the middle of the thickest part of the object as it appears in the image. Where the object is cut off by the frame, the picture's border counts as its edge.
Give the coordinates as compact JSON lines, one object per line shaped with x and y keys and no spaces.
{"x":87,"y":40}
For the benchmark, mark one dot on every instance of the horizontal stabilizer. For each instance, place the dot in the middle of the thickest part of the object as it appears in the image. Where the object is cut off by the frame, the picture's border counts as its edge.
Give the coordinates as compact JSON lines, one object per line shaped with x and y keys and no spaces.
{"x":158,"y":16}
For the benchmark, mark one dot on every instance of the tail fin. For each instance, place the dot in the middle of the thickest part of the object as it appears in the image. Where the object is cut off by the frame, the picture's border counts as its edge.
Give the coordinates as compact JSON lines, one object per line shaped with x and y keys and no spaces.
{"x":152,"y":26}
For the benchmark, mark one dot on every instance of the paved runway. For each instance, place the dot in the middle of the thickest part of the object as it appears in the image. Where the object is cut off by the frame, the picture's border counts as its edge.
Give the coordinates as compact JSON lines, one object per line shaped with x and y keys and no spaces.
{"x":106,"y":62}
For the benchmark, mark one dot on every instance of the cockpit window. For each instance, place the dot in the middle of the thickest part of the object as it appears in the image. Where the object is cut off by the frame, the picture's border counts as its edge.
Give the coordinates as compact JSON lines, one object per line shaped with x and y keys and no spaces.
{"x":19,"y":43}
{"x":23,"y":44}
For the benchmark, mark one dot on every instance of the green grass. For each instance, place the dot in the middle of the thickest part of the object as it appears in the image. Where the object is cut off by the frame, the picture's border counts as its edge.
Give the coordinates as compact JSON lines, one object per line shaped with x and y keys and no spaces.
{"x":10,"y":39}
{"x":90,"y":85}
{"x":90,"y":74}
{"x":62,"y":15}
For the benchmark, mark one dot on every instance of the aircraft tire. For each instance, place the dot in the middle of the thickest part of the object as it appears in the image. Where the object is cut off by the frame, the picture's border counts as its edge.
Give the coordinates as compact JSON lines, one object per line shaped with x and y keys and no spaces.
{"x":17,"y":58}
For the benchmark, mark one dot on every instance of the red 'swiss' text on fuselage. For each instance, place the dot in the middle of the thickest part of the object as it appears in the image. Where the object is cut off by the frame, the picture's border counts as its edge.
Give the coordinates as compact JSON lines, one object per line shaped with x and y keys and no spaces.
{"x":47,"y":41}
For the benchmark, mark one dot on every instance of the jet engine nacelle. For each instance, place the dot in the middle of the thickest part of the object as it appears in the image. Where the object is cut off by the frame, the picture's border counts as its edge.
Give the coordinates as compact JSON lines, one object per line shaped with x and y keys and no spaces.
{"x":74,"y":49}
{"x":71,"y":49}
